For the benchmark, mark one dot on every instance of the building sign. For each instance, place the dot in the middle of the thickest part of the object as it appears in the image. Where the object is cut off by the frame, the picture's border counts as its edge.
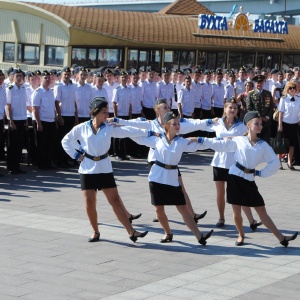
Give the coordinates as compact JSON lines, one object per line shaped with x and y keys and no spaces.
{"x":241,"y":22}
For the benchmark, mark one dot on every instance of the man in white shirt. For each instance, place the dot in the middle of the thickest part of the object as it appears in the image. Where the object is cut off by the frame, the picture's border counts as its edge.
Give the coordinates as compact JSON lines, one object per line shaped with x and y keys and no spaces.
{"x":110,"y":85}
{"x":186,"y":99}
{"x":206,"y":96}
{"x":196,"y":85}
{"x":17,"y":115}
{"x":230,"y":88}
{"x":165,"y":88}
{"x":218,"y":94}
{"x":98,"y":89}
{"x":2,"y":110}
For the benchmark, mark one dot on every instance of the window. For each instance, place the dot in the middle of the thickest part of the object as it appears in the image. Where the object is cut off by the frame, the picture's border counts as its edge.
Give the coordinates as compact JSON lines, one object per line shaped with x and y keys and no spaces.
{"x":235,"y":60}
{"x":138,"y":58}
{"x":221,"y":60}
{"x":211,"y":61}
{"x":171,"y":59}
{"x":187,"y":58}
{"x":109,"y":57}
{"x":9,"y":52}
{"x":287,"y":60}
{"x":79,"y":56}
{"x":248,"y":60}
{"x":296,"y":60}
{"x":54,"y":56}
{"x":31,"y":55}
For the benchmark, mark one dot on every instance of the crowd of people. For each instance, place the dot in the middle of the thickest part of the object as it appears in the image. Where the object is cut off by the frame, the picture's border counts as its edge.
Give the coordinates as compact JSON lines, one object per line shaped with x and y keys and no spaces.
{"x":63,"y":114}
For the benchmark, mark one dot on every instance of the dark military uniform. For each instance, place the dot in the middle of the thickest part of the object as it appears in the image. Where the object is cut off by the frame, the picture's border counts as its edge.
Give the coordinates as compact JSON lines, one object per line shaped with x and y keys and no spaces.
{"x":263,"y":103}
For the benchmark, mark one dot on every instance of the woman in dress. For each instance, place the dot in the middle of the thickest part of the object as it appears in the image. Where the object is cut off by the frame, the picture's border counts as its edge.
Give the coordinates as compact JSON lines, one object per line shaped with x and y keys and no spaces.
{"x":164,"y":185}
{"x":187,"y":125}
{"x":289,"y":118}
{"x":227,"y":126}
{"x":249,"y":152}
{"x":95,"y":169}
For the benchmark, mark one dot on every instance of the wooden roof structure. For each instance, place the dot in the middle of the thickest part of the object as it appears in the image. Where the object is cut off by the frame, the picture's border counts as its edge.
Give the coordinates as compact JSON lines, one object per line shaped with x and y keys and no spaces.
{"x":174,"y":27}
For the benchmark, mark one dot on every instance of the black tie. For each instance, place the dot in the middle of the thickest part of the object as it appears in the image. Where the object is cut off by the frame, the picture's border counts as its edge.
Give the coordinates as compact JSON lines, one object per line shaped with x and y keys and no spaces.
{"x":175,"y":93}
{"x":292,"y":99}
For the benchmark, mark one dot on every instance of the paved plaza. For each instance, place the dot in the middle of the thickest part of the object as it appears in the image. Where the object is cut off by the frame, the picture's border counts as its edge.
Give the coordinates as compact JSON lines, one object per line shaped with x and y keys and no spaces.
{"x":45,"y":253}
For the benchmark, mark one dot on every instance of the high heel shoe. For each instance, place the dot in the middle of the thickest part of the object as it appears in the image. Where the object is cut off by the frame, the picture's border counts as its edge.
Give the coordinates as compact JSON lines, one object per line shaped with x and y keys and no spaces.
{"x":134,"y":217}
{"x":201,"y":216}
{"x":203,"y":239}
{"x":285,"y":242}
{"x":95,"y":238}
{"x":241,"y":243}
{"x":168,"y":238}
{"x":254,"y":226}
{"x":134,"y":238}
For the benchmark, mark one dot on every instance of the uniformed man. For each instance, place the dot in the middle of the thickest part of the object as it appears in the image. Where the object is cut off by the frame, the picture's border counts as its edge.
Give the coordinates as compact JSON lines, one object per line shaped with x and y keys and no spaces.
{"x":64,"y":94}
{"x":218,"y":94}
{"x":196,"y":85}
{"x":240,"y":82}
{"x":110,"y":85}
{"x":230,"y":88}
{"x":149,"y":94}
{"x":165,"y":89}
{"x":206,"y":96}
{"x":83,"y":96}
{"x":17,"y":115}
{"x":261,"y":100}
{"x":98,"y":90}
{"x":44,"y":123}
{"x":122,"y":104}
{"x":2,"y":108}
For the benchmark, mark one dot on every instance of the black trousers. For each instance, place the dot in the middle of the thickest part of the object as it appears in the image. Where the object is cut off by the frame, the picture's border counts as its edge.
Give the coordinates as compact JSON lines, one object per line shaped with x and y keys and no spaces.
{"x":206,"y":114}
{"x":45,"y":141}
{"x":69,"y":122}
{"x":31,"y":142}
{"x":82,"y":120}
{"x":218,"y":112}
{"x":121,"y":144}
{"x":15,"y":142}
{"x":149,"y":113}
{"x":2,"y":140}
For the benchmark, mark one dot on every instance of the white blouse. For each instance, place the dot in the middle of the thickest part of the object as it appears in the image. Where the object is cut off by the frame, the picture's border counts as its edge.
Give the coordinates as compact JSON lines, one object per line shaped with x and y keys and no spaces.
{"x":186,"y":126}
{"x":169,"y":154}
{"x":290,"y":109}
{"x":247,"y":155}
{"x":226,"y":159}
{"x":96,"y":144}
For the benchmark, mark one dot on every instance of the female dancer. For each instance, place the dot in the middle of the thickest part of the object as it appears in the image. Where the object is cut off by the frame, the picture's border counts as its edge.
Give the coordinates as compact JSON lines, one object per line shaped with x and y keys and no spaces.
{"x":289,"y":118}
{"x":187,"y":125}
{"x":95,"y":168}
{"x":249,"y":152}
{"x":164,"y":185}
{"x":228,"y":125}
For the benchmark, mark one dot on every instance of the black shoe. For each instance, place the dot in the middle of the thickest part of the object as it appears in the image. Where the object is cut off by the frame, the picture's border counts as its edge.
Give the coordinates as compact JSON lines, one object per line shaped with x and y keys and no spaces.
{"x":285,"y":242}
{"x":254,"y":226}
{"x":14,"y":172}
{"x":203,"y":239}
{"x":134,"y":217}
{"x":21,"y":171}
{"x":221,"y":223}
{"x":201,"y":216}
{"x":168,"y":238}
{"x":155,"y":220}
{"x":291,"y":167}
{"x":134,"y":237}
{"x":241,"y":243}
{"x":127,"y":157}
{"x":95,"y":239}
{"x":119,"y":158}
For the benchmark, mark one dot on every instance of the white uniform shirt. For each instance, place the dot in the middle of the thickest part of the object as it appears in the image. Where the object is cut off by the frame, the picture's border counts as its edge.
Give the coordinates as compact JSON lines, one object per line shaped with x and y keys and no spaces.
{"x":186,"y":126}
{"x":271,"y":84}
{"x":29,"y":92}
{"x":169,"y":154}
{"x":149,"y":93}
{"x":240,"y":86}
{"x":110,"y":89}
{"x":247,"y":155}
{"x":165,"y":91}
{"x":277,"y":93}
{"x":18,"y":99}
{"x":96,"y":144}
{"x":218,"y":95}
{"x":136,"y":98}
{"x":206,"y":96}
{"x":197,"y":86}
{"x":187,"y":99}
{"x":229,"y":91}
{"x":44,"y":99}
{"x":99,"y":93}
{"x":83,"y":97}
{"x":123,"y":97}
{"x":226,"y":159}
{"x":178,"y":87}
{"x":65,"y":94}
{"x":2,"y":101}
{"x":290,"y":109}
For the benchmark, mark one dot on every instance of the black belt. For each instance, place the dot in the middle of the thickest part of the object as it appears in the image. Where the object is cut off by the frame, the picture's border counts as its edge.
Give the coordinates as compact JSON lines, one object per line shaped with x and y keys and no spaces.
{"x":168,"y":167}
{"x":245,"y":170}
{"x":94,"y":158}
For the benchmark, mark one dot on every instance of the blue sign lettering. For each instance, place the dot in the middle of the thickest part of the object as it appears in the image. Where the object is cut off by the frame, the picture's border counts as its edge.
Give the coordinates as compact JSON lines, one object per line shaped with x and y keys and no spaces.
{"x":270,"y":26}
{"x":212,"y":22}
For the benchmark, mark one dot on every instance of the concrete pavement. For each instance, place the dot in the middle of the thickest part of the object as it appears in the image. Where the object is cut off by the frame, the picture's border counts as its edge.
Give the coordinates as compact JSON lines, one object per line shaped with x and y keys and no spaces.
{"x":45,"y":253}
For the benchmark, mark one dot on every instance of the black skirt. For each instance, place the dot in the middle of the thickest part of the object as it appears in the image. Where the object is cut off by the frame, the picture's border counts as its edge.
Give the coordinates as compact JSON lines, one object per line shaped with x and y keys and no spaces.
{"x":97,"y":181}
{"x":163,"y":194}
{"x":243,"y":192}
{"x":220,"y":174}
{"x":290,"y":132}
